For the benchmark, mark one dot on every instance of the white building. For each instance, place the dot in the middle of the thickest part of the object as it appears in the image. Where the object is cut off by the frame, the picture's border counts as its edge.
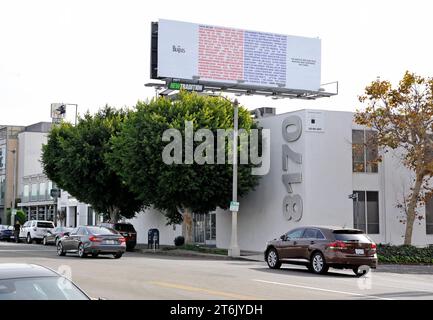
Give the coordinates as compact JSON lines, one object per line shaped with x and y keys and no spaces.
{"x":33,"y":187}
{"x":324,"y":171}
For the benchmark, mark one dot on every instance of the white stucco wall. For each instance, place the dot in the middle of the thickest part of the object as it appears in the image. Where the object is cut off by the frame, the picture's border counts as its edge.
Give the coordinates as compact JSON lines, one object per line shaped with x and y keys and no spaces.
{"x":30,"y":150}
{"x":327,"y":181}
{"x":398,"y":181}
{"x":152,"y":219}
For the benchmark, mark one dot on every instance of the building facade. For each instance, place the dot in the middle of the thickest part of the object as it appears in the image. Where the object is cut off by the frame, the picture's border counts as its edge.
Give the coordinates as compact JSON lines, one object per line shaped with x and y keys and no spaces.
{"x":321,"y":173}
{"x":34,"y":187}
{"x":8,"y":168}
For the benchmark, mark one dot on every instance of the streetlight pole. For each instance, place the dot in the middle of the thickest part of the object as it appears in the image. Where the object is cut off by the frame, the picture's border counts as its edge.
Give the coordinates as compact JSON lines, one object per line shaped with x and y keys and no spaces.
{"x":234,"y":250}
{"x":354,"y":196}
{"x":14,"y":151}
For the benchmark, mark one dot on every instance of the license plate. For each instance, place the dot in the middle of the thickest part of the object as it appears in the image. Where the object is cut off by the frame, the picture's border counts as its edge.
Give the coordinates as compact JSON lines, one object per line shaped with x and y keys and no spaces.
{"x":110,"y":242}
{"x":359,"y":251}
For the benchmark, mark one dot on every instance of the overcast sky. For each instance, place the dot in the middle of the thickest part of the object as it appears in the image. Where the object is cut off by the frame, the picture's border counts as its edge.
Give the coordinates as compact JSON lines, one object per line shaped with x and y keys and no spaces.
{"x":97,"y":52}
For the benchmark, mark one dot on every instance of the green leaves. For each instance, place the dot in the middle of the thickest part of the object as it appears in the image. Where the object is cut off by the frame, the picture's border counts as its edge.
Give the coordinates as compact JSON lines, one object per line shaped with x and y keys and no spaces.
{"x":403,"y":119}
{"x":404,"y":254}
{"x":137,"y":155}
{"x":113,"y":159}
{"x":75,"y":158}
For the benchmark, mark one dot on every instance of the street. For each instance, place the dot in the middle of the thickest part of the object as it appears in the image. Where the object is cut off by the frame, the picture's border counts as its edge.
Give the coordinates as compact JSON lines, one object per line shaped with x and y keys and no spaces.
{"x":139,"y":276}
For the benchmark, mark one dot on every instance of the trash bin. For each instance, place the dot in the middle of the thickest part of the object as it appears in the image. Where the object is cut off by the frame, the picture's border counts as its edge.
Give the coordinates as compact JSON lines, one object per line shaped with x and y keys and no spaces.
{"x":153,"y":238}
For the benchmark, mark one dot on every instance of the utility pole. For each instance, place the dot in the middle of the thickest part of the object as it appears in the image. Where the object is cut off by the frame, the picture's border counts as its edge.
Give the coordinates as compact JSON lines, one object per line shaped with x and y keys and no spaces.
{"x":234,"y":250}
{"x":13,"y":212}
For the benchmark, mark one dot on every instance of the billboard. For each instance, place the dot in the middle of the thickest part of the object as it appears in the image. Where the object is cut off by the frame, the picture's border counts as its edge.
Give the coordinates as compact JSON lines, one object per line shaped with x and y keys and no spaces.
{"x":246,"y":59}
{"x":58,"y":112}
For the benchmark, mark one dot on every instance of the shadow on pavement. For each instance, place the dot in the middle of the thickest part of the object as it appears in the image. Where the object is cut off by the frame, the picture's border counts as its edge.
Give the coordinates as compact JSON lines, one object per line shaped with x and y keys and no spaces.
{"x":305,"y":272}
{"x":403,"y":295}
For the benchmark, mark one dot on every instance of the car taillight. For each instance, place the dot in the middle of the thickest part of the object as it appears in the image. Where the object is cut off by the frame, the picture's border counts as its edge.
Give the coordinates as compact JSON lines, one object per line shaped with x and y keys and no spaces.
{"x":337,"y":245}
{"x":373,"y":246}
{"x":95,"y":239}
{"x":122,"y":240}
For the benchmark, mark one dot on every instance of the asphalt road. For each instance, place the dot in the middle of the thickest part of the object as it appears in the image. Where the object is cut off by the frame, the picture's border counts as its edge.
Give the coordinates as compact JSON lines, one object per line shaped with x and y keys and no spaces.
{"x":143,"y":276}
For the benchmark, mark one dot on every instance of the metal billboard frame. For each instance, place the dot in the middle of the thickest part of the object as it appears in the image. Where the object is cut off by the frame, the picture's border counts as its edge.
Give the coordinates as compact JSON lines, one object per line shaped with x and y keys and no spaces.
{"x":237,"y":88}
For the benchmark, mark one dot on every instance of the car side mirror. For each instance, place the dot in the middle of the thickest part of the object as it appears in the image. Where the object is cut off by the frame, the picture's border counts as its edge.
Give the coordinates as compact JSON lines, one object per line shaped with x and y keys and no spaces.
{"x":283,"y":237}
{"x":66,"y":234}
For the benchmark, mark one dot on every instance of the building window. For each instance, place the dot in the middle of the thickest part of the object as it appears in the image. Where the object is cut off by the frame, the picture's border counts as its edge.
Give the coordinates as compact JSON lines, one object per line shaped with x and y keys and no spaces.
{"x":364,"y":151}
{"x":2,"y":157}
{"x":49,"y":187}
{"x":26,"y":193}
{"x":366,"y":211}
{"x":90,"y":221}
{"x":429,"y":216}
{"x":2,"y":189}
{"x":42,"y":191}
{"x":34,"y":192}
{"x":204,"y":228}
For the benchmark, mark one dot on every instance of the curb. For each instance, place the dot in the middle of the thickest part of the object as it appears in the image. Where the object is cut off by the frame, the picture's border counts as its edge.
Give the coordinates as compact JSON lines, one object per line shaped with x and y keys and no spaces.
{"x":191,"y":254}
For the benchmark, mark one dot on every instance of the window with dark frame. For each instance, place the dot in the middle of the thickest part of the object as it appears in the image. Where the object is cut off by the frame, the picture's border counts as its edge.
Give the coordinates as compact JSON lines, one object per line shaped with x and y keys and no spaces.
{"x":366,"y":211}
{"x":429,"y":215}
{"x":364,"y":151}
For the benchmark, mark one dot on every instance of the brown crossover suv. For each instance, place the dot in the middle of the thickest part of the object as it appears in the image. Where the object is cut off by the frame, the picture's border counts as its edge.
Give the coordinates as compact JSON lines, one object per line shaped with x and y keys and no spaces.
{"x":319,"y":248}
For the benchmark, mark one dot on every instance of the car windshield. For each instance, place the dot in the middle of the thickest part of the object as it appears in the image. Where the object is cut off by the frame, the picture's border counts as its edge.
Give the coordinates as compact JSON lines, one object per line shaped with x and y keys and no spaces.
{"x":45,"y":225}
{"x":42,"y":288}
{"x":351,"y":236}
{"x":125,"y":227}
{"x":101,"y":230}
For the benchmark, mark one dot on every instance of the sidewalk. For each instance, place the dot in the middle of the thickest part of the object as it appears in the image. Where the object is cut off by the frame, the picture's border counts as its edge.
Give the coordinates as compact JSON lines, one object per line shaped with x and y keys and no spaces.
{"x":258,"y":257}
{"x":405,"y":268}
{"x":170,"y":251}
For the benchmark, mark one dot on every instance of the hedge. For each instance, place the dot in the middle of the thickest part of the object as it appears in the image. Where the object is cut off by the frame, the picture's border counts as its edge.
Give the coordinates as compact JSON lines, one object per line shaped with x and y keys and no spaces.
{"x":404,"y":254}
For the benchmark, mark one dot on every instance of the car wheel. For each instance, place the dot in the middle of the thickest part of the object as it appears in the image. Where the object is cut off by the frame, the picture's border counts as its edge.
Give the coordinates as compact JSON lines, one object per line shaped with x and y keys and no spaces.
{"x":361,"y":271}
{"x":44,"y":241}
{"x":60,"y":250}
{"x":29,"y":239}
{"x":81,"y":252}
{"x":272,"y":259}
{"x":118,"y":255}
{"x":318,"y":264}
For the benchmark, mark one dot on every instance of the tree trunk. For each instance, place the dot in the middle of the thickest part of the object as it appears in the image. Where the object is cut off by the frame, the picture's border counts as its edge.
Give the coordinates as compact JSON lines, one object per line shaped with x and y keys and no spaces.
{"x":114,"y":215}
{"x":187,"y":225}
{"x":411,"y":209}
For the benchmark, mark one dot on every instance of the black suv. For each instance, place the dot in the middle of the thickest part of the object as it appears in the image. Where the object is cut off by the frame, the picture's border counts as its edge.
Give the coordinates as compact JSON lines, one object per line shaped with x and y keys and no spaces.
{"x":126,"y":230}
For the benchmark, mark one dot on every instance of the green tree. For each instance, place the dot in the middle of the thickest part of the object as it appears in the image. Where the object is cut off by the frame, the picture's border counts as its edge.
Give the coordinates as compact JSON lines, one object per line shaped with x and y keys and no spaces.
{"x":19,"y":216}
{"x":75,"y":159}
{"x":179,"y":189}
{"x":403,"y":119}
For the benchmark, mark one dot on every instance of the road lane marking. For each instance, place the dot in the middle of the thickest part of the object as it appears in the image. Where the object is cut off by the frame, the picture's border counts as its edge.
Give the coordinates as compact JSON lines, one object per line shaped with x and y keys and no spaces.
{"x":211,"y":292}
{"x":321,"y":289}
